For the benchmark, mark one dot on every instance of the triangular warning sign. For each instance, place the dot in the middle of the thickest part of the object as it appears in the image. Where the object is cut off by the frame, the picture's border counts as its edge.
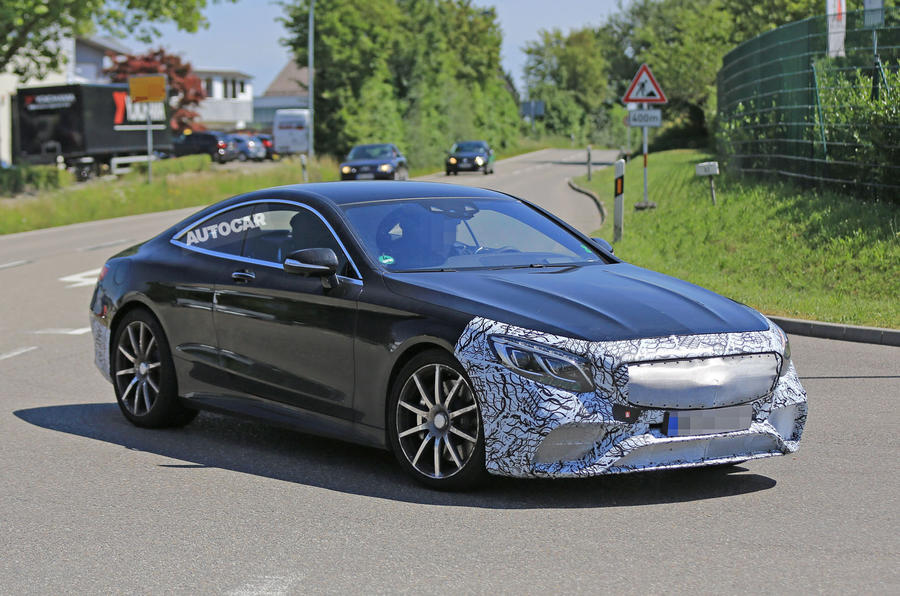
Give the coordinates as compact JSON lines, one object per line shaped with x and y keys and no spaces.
{"x":644,"y":88}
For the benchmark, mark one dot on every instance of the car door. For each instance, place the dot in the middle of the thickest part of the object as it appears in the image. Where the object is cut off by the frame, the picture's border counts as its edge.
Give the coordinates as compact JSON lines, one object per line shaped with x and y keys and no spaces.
{"x":206,"y":247}
{"x":285,"y":337}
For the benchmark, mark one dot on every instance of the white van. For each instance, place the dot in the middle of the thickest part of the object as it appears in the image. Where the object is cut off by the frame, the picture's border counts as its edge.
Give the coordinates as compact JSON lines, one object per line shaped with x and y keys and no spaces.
{"x":290,"y":131}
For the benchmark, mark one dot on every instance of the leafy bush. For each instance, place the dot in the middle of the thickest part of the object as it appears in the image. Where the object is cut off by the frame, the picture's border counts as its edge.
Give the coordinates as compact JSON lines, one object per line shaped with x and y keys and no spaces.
{"x":22,"y":178}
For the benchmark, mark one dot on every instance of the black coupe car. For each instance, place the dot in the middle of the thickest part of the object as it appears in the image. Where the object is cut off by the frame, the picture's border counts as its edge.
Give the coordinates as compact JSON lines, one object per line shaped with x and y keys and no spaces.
{"x":382,"y":161}
{"x":464,"y":329}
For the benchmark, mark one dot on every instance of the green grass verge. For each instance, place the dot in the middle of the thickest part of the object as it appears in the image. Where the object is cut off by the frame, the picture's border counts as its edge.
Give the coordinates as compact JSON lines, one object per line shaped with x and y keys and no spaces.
{"x":783,"y":250}
{"x":130,"y":195}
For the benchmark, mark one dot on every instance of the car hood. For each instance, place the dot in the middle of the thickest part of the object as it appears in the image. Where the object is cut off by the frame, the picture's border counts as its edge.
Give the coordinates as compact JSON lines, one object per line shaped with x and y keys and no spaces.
{"x":355,"y":163}
{"x":593,"y":302}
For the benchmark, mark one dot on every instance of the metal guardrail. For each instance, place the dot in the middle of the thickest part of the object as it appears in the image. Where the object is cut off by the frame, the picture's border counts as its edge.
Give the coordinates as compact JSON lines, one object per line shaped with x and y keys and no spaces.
{"x":787,"y":109}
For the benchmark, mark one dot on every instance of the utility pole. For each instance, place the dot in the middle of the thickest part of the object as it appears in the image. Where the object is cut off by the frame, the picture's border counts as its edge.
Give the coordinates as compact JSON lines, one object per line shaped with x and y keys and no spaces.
{"x":310,"y":76}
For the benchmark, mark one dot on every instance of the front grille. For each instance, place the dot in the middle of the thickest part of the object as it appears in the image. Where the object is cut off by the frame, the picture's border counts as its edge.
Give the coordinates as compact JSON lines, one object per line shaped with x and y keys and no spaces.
{"x":702,"y":382}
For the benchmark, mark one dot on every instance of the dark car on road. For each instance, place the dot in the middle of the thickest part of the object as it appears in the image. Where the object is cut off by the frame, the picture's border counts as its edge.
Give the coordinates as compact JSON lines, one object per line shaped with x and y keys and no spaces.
{"x":381,"y":161}
{"x":470,"y":156}
{"x":218,"y":145}
{"x":466,"y":330}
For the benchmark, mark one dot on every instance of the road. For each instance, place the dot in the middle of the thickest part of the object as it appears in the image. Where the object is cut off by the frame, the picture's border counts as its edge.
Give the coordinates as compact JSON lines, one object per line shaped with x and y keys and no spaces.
{"x":90,"y":504}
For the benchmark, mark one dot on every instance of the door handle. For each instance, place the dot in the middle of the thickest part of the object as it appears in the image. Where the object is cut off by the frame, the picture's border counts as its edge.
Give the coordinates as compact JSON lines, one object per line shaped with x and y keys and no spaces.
{"x":243,"y":276}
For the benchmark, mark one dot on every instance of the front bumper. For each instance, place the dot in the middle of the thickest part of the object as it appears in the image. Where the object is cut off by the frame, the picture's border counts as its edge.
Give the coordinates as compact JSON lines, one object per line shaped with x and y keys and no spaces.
{"x":535,"y":430}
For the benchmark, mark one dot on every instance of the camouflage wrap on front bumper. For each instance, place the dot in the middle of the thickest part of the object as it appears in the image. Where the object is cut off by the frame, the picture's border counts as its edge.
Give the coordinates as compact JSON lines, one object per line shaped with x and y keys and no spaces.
{"x":519,"y":413}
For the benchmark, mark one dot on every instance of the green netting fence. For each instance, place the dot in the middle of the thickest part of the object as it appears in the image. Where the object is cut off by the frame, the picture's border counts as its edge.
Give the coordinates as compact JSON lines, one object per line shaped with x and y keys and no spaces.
{"x":787,"y":109}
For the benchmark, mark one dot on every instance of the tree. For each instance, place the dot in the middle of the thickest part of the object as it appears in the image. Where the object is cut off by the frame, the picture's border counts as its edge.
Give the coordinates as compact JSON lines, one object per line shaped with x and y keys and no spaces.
{"x":32,"y":31}
{"x":420,"y":73}
{"x":187,"y":87}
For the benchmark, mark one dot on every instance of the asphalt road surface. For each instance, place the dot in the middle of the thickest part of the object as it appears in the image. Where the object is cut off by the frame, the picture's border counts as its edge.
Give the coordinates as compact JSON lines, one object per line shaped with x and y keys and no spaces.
{"x":90,"y":504}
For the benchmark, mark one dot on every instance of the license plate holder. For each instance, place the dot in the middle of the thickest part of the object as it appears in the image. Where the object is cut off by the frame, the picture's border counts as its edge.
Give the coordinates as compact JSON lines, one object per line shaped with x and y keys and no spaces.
{"x":682,"y":423}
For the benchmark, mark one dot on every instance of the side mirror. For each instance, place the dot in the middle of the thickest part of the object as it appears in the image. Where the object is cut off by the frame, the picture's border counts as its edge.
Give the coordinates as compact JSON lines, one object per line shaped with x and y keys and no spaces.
{"x":318,"y":262}
{"x":603,"y":245}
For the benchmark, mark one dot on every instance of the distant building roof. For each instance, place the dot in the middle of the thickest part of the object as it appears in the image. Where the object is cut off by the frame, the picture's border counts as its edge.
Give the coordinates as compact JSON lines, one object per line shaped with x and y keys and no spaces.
{"x":230,"y":72}
{"x":291,"y":81}
{"x":105,"y":43}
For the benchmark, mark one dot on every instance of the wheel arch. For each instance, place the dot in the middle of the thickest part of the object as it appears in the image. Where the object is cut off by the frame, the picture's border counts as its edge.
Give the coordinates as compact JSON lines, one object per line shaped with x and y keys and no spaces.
{"x":132,"y":303}
{"x":404,"y":354}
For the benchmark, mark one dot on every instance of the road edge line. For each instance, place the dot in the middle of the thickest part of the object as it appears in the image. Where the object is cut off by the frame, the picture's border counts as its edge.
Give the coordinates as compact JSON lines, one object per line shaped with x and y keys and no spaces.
{"x":600,"y":206}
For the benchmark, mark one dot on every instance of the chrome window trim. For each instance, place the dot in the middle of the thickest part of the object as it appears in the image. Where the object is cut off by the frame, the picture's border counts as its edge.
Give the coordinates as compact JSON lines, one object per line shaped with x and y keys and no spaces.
{"x":174,"y":239}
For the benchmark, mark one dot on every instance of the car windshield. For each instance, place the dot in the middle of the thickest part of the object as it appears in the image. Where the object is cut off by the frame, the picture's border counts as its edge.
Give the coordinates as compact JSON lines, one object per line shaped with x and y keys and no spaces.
{"x":452,"y":234}
{"x":370,"y":152}
{"x":468,"y":147}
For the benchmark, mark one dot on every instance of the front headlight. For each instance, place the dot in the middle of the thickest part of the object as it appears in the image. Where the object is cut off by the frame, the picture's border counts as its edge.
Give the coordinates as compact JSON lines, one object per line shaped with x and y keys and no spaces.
{"x":452,"y":161}
{"x":385,"y":167}
{"x":479,"y":160}
{"x":544,"y":364}
{"x":345,"y":170}
{"x":786,"y":356}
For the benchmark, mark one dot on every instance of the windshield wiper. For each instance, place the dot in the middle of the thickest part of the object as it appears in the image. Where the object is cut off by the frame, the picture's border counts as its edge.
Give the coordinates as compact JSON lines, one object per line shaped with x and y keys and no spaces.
{"x":433,"y":270}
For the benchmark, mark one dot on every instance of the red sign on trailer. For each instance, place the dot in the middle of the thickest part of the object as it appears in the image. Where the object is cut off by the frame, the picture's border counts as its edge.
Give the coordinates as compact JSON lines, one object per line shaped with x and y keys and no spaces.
{"x":644,"y":88}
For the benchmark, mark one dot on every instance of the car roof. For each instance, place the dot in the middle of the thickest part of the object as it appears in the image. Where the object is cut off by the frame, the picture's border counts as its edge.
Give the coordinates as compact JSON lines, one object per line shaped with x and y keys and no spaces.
{"x":342,"y":193}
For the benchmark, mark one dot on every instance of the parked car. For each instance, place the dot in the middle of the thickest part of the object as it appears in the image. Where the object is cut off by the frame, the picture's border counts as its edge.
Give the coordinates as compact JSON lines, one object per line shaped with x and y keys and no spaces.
{"x":382,"y":161}
{"x":462,"y":328}
{"x":218,"y":145}
{"x":248,"y":147}
{"x":470,"y":156}
{"x":269,"y":144}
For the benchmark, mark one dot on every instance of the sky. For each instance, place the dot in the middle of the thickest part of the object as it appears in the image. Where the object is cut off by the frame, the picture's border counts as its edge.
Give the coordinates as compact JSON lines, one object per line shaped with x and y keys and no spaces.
{"x":245,"y":36}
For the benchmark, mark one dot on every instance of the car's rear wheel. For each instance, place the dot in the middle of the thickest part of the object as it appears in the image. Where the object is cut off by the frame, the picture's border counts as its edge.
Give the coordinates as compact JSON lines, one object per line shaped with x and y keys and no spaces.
{"x":434,"y":423}
{"x":144,"y":375}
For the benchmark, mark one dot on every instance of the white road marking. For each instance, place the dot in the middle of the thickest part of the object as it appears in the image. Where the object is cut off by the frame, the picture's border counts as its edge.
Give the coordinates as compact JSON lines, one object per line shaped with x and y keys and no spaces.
{"x":63,"y":331}
{"x":104,"y":245}
{"x":80,"y":280}
{"x":12,"y":264}
{"x":17,"y":352}
{"x":265,"y":585}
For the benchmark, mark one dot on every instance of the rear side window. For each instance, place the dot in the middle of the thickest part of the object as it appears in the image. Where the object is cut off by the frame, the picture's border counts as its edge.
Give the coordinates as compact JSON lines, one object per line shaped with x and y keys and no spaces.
{"x":284,"y":229}
{"x":225,"y":232}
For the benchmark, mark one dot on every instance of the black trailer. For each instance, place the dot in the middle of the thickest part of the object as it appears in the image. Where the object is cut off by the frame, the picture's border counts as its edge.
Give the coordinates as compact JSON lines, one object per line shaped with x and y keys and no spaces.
{"x":89,"y":127}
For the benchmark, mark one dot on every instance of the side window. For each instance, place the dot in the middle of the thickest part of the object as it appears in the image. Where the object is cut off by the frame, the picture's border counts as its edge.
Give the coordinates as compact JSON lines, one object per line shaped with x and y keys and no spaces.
{"x":283,"y":229}
{"x":223,"y":233}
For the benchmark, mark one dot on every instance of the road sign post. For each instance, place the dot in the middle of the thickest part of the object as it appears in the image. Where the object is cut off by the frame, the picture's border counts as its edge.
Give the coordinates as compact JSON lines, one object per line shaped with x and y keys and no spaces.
{"x":148,"y":89}
{"x":645,"y":90}
{"x":619,"y":209}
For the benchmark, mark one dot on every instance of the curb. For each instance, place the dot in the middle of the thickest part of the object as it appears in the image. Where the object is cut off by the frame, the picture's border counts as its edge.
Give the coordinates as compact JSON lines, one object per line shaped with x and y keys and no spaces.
{"x":868,"y":335}
{"x":600,"y":206}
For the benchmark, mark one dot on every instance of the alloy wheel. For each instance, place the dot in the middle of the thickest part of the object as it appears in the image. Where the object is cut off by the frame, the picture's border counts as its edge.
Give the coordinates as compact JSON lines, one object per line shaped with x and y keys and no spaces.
{"x":138,"y":368}
{"x":437,"y":421}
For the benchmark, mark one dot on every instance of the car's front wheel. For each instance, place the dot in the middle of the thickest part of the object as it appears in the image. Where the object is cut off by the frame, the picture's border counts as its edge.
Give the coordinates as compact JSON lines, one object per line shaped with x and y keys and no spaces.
{"x":144,"y":375}
{"x":434,"y":423}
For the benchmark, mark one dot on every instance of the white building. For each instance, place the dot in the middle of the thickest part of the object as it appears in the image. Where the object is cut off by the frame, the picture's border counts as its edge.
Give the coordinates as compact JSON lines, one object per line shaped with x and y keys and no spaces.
{"x":229,"y":98}
{"x":85,"y":59}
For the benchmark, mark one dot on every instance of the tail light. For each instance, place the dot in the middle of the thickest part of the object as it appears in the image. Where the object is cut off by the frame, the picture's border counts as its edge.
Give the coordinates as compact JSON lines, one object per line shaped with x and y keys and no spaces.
{"x":267,"y":143}
{"x":103,"y":272}
{"x":221,"y":144}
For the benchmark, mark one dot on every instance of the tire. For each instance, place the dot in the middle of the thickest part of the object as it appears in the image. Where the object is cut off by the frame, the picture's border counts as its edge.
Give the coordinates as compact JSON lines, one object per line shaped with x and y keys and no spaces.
{"x":456,"y":172}
{"x":447,"y":172}
{"x":242,"y":157}
{"x":442,"y":447}
{"x":144,"y":375}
